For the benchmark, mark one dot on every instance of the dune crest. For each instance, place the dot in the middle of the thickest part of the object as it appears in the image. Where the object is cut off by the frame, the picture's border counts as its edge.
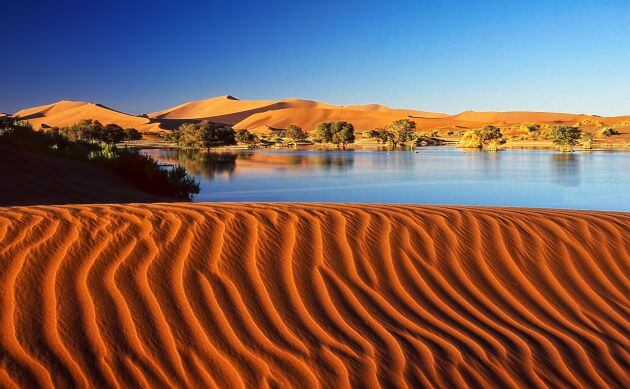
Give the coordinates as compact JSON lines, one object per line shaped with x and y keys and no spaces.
{"x":66,"y":113}
{"x":285,"y":295}
{"x":265,"y":115}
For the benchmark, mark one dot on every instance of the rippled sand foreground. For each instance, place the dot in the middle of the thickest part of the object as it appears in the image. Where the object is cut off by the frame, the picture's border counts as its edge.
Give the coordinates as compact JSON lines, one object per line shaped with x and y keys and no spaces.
{"x":269,"y":295}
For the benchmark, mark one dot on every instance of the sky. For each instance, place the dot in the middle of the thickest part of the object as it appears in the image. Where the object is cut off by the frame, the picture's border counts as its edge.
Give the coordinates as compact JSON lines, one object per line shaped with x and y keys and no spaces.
{"x":442,"y":56}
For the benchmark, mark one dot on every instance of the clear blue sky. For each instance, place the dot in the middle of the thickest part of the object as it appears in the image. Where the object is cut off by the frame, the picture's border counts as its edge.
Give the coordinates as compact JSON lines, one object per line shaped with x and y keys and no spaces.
{"x":571,"y":56}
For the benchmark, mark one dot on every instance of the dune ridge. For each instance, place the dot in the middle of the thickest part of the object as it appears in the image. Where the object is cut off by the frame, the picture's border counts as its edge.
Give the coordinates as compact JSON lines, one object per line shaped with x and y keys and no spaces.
{"x":313,"y":295}
{"x":67,"y":113}
{"x":261,"y":116}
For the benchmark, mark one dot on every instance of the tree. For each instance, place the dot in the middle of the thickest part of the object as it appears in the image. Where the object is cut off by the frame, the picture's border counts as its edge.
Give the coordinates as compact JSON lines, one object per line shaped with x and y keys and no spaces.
{"x":132,"y":134}
{"x":401,"y":131}
{"x":244,"y":136}
{"x":529,"y":128}
{"x":488,"y":136}
{"x":203,"y":135}
{"x":565,"y":137}
{"x":111,"y":133}
{"x":343,"y":133}
{"x":587,"y":140}
{"x":295,"y":133}
{"x":340,"y":133}
{"x":93,"y":131}
{"x":323,"y":133}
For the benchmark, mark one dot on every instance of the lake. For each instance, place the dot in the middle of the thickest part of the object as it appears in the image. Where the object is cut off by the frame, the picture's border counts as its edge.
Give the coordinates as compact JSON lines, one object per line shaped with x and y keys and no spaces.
{"x":598,"y":180}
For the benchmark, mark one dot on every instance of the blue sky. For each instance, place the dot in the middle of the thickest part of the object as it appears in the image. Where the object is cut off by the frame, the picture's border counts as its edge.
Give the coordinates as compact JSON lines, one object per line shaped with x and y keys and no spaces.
{"x":569,"y":56}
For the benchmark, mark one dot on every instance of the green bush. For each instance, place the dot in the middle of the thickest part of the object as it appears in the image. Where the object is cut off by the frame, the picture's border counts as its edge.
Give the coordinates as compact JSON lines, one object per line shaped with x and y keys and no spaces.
{"x":565,"y":137}
{"x":148,"y":175}
{"x":587,"y":140}
{"x":246,"y":137}
{"x":606,"y":132}
{"x":294,"y":133}
{"x":340,"y":133}
{"x":203,"y":135}
{"x":401,"y":131}
{"x":488,"y":137}
{"x":140,"y":170}
{"x":93,"y":131}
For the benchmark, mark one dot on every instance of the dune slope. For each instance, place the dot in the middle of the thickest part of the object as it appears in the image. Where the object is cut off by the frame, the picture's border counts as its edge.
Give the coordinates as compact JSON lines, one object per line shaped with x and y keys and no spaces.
{"x":285,"y":295}
{"x":67,"y":113}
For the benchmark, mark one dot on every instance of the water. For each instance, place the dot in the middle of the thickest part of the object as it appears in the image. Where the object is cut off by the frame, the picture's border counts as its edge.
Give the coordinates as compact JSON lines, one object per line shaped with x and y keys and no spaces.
{"x":598,"y":180}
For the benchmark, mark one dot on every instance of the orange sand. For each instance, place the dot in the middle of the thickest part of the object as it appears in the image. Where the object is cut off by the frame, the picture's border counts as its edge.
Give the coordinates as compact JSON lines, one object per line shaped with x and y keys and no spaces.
{"x":261,"y":116}
{"x":284,"y":295}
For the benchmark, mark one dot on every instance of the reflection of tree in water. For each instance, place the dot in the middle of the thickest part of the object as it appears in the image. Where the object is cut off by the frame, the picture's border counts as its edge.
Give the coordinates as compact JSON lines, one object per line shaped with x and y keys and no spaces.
{"x":565,"y":167}
{"x":204,"y":164}
{"x":338,"y":162}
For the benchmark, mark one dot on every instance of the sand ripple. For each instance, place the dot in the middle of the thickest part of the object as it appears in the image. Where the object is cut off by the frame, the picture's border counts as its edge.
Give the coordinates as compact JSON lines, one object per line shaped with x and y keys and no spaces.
{"x":244,"y":296}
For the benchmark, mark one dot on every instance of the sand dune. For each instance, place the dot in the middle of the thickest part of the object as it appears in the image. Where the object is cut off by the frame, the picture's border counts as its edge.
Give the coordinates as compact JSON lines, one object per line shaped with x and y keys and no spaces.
{"x":264,"y":115}
{"x":308,"y":118}
{"x":66,"y":113}
{"x":222,"y":109}
{"x":286,"y":295}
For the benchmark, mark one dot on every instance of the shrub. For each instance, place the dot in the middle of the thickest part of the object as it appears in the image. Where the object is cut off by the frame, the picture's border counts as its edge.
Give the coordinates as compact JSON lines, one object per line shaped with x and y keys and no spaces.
{"x":203,"y":135}
{"x":244,"y":136}
{"x":606,"y":132}
{"x":132,"y":134}
{"x":489,"y":137}
{"x":140,"y":170}
{"x":340,"y":133}
{"x":587,"y":140}
{"x":529,"y":128}
{"x":93,"y":131}
{"x":590,"y":122}
{"x":432,"y":133}
{"x":148,"y":175}
{"x":294,"y":133}
{"x":565,"y":137}
{"x":380,"y":134}
{"x":401,"y":131}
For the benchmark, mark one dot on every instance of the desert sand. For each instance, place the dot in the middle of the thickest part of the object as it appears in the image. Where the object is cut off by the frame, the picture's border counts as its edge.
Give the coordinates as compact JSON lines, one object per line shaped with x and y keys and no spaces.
{"x":67,"y":113}
{"x":261,"y":116}
{"x":286,"y":295}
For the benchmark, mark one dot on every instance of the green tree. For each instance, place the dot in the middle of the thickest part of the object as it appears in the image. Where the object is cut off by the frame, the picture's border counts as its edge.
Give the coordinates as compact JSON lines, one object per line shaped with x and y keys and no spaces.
{"x":215,"y":135}
{"x":565,"y":137}
{"x":203,"y":135}
{"x":587,"y":140}
{"x":110,"y":133}
{"x":295,"y":133}
{"x":323,"y":132}
{"x":488,"y":136}
{"x":244,"y":136}
{"x":188,"y":136}
{"x":380,"y":134}
{"x":132,"y":134}
{"x":340,"y":133}
{"x":343,"y":133}
{"x":401,"y":131}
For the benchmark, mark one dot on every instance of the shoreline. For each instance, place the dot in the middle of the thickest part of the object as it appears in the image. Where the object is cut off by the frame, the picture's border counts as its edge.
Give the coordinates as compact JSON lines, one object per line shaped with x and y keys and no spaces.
{"x":375,"y":147}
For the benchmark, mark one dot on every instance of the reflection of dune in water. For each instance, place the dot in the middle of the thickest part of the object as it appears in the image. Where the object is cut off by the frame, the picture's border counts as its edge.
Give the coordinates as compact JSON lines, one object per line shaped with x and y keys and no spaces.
{"x":238,"y":295}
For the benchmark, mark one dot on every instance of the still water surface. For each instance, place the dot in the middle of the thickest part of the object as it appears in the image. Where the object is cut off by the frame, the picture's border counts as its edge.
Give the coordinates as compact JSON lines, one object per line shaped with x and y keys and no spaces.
{"x":434,"y":175}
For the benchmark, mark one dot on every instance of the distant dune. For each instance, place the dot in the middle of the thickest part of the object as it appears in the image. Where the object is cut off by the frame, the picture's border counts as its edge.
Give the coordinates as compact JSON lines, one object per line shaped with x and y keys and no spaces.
{"x":285,"y":295}
{"x":264,"y":115}
{"x":66,"y":113}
